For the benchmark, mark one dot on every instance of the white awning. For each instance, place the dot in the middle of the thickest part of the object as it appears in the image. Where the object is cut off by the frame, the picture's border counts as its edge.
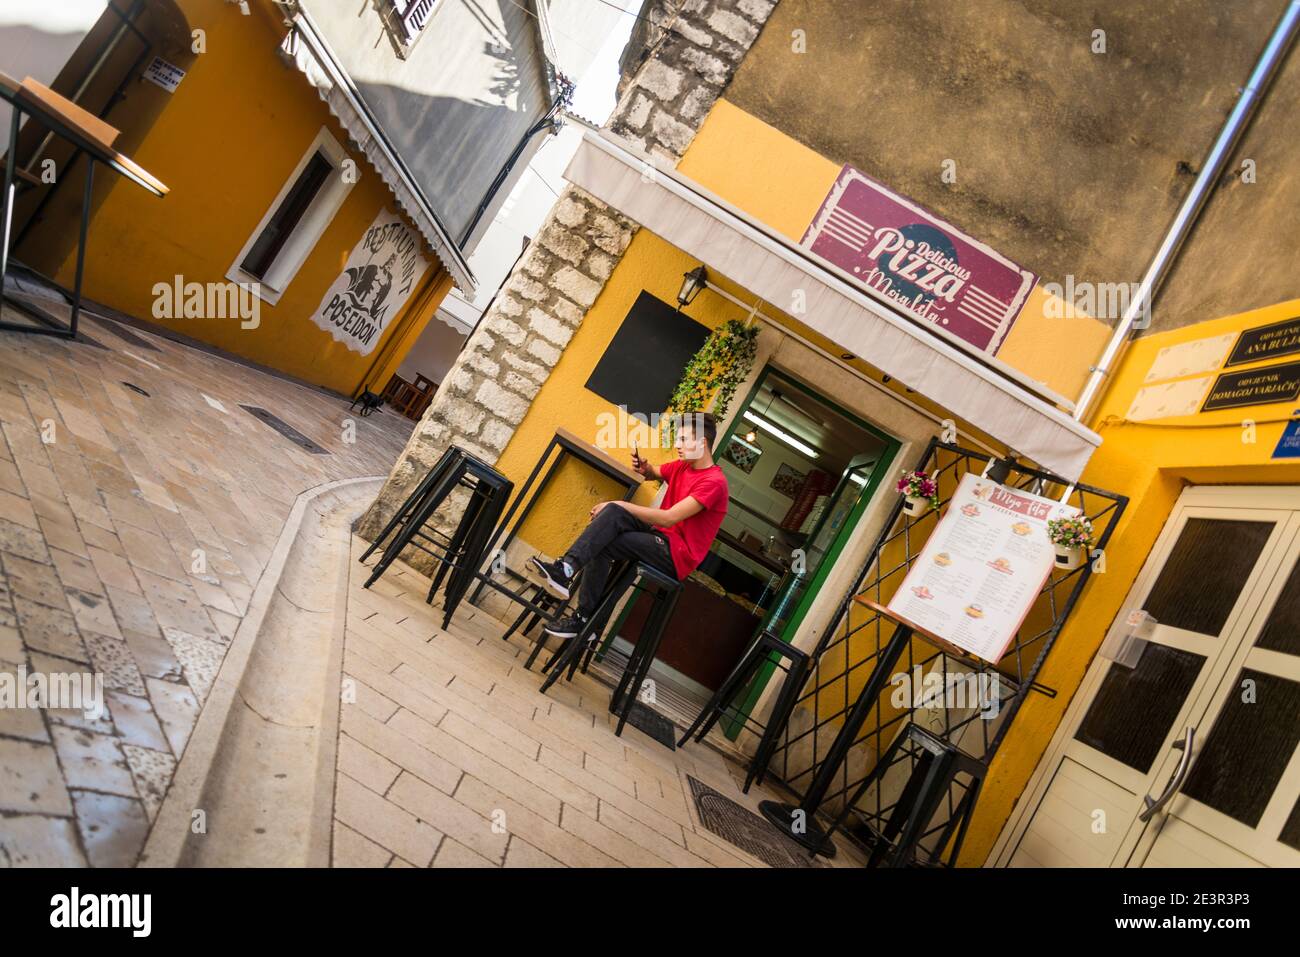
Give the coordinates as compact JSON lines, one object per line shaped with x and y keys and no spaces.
{"x":980,"y":390}
{"x":311,"y":54}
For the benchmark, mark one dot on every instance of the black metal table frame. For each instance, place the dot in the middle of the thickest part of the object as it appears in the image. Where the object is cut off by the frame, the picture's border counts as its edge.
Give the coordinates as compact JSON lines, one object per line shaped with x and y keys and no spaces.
{"x":566,"y":448}
{"x":93,"y":153}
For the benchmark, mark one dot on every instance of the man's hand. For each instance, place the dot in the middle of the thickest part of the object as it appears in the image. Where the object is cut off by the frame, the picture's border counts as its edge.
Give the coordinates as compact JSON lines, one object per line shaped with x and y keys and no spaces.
{"x":643,"y":466}
{"x":598,"y":506}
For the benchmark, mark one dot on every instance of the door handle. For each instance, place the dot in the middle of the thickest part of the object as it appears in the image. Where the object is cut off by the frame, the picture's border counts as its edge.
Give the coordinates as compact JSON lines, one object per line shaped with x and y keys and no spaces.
{"x":1153,"y":805}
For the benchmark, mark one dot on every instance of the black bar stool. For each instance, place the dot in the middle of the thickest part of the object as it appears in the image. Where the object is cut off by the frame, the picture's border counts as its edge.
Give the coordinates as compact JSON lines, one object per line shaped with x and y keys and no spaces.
{"x":938,"y":762}
{"x":795,"y":664}
{"x":542,"y":606}
{"x":664,"y":589}
{"x":446,"y":461}
{"x":463,"y":552}
{"x":615,"y":585}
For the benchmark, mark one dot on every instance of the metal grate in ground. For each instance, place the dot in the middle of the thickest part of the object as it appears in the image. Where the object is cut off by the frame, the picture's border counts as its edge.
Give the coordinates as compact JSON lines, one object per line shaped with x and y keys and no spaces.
{"x":748,"y":831}
{"x":285,"y":429}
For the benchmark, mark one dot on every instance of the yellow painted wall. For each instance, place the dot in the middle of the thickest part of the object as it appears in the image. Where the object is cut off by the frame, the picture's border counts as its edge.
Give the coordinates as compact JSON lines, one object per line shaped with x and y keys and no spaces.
{"x":224,"y":143}
{"x":782,"y":183}
{"x":649,"y":264}
{"x":1150,"y":462}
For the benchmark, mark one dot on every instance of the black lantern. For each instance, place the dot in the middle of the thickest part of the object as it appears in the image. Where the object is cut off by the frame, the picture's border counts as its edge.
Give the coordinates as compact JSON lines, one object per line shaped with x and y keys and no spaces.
{"x":692,"y":283}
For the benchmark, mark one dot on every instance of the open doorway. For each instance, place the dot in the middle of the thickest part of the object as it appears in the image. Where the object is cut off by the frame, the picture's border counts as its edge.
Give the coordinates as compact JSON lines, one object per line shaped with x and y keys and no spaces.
{"x":801,"y":470}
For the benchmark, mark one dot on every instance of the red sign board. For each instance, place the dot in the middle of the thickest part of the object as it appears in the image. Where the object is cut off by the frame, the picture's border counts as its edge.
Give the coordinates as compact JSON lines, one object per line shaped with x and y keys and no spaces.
{"x":925,"y":266}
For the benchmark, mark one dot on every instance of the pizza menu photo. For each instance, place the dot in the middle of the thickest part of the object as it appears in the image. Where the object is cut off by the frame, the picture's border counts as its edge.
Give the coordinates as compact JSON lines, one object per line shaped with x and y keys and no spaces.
{"x":982,"y":567}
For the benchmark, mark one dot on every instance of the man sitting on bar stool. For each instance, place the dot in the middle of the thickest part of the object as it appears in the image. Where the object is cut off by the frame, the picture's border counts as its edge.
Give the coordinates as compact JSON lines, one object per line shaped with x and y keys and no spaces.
{"x":673,"y":538}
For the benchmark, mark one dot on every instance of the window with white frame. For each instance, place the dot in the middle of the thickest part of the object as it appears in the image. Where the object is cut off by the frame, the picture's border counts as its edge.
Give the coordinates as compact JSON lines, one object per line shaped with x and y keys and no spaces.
{"x":289,"y":230}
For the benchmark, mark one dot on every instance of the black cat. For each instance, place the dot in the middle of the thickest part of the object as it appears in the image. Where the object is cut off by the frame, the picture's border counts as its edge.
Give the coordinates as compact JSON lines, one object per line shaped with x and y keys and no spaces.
{"x":369,"y":402}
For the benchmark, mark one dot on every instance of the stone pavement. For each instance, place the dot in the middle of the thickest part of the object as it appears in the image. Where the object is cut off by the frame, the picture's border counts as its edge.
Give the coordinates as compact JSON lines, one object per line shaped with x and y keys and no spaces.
{"x":449,"y":757}
{"x":135,"y":521}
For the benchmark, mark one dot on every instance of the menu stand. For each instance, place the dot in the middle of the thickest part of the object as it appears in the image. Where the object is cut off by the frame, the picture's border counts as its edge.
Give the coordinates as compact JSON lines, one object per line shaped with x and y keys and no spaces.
{"x":90,"y":136}
{"x":800,"y":821}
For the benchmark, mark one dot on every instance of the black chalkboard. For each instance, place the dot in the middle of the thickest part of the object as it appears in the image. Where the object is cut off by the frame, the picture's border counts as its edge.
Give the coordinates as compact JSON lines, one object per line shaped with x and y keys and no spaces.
{"x":644,"y":362}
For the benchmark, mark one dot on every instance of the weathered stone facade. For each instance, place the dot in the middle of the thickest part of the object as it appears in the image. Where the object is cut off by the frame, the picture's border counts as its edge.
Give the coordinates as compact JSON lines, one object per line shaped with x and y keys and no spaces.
{"x":487,"y":392}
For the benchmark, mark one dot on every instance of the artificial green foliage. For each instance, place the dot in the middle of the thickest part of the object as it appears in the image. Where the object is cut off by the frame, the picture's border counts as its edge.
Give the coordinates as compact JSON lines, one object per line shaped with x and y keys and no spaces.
{"x":718,"y":369}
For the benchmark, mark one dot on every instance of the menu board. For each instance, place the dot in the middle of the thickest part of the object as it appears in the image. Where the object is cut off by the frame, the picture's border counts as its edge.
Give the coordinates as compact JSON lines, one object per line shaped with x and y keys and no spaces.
{"x":982,"y":567}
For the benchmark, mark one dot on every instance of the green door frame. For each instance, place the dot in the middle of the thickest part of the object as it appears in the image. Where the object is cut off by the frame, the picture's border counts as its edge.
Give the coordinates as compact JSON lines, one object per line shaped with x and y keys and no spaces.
{"x":733,"y":725}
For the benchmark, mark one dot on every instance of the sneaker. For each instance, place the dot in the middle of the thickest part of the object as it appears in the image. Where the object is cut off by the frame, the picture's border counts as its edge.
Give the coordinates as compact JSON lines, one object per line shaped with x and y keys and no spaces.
{"x":554,"y":577}
{"x":566,"y":627}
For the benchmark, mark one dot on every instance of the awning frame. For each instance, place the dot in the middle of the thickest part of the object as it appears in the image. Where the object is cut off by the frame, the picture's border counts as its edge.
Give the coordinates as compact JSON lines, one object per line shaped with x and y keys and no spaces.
{"x":311,"y":53}
{"x":978,"y":389}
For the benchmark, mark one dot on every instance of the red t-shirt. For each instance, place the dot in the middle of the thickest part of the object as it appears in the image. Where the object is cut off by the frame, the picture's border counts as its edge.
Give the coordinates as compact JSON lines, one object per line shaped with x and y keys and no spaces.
{"x":689,"y":539}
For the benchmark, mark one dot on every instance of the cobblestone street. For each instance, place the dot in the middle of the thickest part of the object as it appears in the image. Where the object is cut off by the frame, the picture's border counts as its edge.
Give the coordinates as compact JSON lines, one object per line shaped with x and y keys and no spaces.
{"x":138,"y":506}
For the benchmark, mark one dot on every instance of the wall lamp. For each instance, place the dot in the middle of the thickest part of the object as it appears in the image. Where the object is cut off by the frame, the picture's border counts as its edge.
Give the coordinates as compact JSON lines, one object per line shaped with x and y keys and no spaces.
{"x":692,"y":283}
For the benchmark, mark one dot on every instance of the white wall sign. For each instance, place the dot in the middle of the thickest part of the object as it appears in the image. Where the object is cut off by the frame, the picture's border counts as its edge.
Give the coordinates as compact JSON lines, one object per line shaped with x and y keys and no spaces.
{"x":982,"y":567}
{"x":1168,"y":399}
{"x":164,"y":74}
{"x":1190,"y":358}
{"x":382,"y":270}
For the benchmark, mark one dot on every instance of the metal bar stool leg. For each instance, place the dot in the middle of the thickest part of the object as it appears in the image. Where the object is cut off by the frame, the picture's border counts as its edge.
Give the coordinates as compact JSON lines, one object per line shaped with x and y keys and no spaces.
{"x":472,"y":557}
{"x":412,"y":501}
{"x":416,"y":522}
{"x":651,"y":639}
{"x":776,"y":721}
{"x":449,"y":561}
{"x":927,"y":802}
{"x":877,"y":772}
{"x":712,"y":711}
{"x":571,"y":650}
{"x":536,"y":598}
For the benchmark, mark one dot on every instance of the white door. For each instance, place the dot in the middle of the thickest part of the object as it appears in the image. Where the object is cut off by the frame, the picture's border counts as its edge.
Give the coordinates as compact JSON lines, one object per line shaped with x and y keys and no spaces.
{"x":1119,"y":787}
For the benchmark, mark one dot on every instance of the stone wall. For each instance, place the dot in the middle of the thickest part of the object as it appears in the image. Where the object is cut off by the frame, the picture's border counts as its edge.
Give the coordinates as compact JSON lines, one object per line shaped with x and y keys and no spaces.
{"x":487,"y":392}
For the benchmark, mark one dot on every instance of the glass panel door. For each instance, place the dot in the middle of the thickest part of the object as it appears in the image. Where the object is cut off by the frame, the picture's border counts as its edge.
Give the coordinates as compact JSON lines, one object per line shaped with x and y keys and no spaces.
{"x":1202,"y":584}
{"x":1236,"y":803}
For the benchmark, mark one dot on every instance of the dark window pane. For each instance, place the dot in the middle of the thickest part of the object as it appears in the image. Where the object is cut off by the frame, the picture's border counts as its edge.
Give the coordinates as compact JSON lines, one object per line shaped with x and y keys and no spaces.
{"x":1282,"y":630}
{"x":287,"y":216}
{"x":1290,"y":835}
{"x":1135,"y":707}
{"x":1205,"y":573}
{"x":1248,"y":748}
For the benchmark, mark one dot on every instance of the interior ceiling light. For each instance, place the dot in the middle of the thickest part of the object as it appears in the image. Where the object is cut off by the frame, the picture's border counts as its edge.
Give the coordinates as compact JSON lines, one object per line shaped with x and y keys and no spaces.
{"x":798,"y":410}
{"x":782,"y":435}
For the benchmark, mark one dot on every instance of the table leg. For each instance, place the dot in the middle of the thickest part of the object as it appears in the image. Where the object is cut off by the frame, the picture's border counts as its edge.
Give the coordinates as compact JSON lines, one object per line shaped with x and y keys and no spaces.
{"x":9,"y":195}
{"x":493,"y":546}
{"x":510,"y":513}
{"x":81,"y":245}
{"x":800,"y":822}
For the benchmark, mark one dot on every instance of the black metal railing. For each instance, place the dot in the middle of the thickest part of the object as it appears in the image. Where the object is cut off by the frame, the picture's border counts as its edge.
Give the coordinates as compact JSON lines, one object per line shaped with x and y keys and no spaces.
{"x":852,"y":643}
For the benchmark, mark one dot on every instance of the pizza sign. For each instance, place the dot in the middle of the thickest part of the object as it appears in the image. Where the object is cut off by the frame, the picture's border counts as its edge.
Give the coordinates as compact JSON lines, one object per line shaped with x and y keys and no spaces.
{"x":923,"y":265}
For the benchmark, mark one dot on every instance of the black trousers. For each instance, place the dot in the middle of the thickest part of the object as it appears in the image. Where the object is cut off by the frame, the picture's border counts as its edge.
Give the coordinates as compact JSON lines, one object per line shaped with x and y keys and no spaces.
{"x":614,"y":534}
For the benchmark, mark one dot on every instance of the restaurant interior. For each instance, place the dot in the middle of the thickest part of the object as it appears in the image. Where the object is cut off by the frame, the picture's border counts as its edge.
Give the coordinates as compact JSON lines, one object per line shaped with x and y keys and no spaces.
{"x":800,"y":470}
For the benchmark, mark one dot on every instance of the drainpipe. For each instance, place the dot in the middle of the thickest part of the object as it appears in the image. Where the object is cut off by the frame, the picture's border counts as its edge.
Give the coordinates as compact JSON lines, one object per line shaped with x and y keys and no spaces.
{"x":548,"y":122}
{"x":1265,"y":70}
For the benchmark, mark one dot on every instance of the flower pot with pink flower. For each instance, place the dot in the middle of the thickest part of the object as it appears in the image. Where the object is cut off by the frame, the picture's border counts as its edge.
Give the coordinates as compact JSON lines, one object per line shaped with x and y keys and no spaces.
{"x":920,"y":493}
{"x":1071,"y":537}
